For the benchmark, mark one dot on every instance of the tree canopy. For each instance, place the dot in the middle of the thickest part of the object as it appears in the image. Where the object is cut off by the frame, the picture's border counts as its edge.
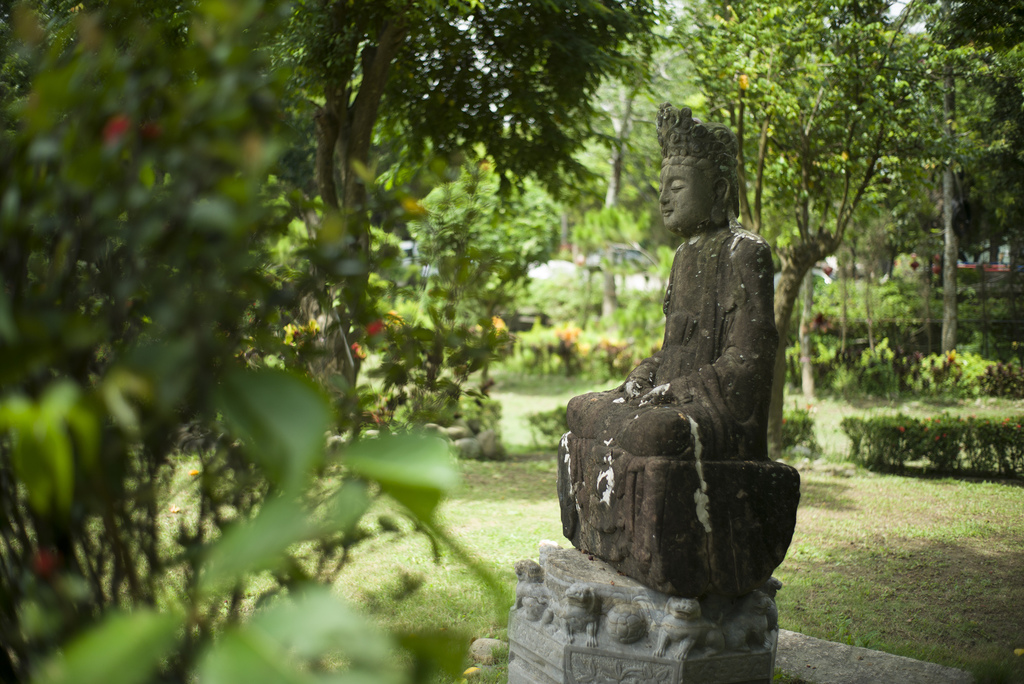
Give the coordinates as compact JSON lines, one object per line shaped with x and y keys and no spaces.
{"x":830,"y":104}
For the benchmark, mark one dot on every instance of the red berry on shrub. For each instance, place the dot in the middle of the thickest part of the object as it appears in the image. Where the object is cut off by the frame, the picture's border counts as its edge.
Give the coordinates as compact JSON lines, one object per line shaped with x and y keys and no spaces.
{"x":44,"y":563}
{"x":115,"y":129}
{"x":151,"y":130}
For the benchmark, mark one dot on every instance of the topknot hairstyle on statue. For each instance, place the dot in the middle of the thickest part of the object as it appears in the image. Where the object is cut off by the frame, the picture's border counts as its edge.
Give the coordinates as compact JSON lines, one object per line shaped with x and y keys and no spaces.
{"x":712,"y":146}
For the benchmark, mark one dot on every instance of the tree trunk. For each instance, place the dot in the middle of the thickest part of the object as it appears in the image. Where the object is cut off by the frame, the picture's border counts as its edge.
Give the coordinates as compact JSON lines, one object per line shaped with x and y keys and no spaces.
{"x":983,"y":286}
{"x":1014,"y":247}
{"x":868,"y":279}
{"x":610,"y":301}
{"x":926,"y":273}
{"x":622,"y":126}
{"x":794,"y":267}
{"x":588,"y":295}
{"x":949,"y":316}
{"x":806,"y":367}
{"x":344,"y":132}
{"x":846,"y":273}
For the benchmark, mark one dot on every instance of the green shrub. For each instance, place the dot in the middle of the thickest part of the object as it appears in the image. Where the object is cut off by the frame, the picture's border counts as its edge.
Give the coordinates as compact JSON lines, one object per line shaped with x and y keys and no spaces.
{"x":548,"y":427}
{"x":480,"y":412}
{"x":1003,"y":380}
{"x":571,"y":351}
{"x":876,"y":371}
{"x":137,"y":305}
{"x":945,"y":443}
{"x":951,"y":375}
{"x":798,"y":430}
{"x":892,"y":371}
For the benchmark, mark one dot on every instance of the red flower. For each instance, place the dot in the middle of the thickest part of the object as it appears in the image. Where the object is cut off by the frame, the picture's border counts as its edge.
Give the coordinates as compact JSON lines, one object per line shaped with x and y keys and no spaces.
{"x":44,"y":563}
{"x":375,"y":327}
{"x":938,"y":437}
{"x":357,"y":351}
{"x":115,"y":129}
{"x":902,"y":429}
{"x":151,"y":130}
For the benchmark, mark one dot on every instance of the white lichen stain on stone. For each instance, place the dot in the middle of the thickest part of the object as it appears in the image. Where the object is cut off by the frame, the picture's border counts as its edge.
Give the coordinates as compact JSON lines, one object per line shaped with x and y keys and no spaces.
{"x":657,"y":392}
{"x":609,"y":477}
{"x":620,"y":400}
{"x":568,"y":465}
{"x":700,"y":497}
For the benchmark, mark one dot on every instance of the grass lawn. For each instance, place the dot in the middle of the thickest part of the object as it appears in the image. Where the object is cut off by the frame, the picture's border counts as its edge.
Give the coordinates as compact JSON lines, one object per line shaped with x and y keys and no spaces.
{"x":927,"y":568}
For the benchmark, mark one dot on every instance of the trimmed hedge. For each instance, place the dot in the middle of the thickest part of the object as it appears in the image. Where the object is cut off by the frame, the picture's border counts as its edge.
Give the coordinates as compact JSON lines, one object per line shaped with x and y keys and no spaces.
{"x":946,"y":443}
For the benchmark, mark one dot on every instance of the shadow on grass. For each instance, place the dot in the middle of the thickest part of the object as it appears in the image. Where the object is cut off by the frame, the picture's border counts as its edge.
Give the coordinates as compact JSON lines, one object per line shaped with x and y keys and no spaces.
{"x":831,"y":496}
{"x":956,"y":604}
{"x":954,"y":477}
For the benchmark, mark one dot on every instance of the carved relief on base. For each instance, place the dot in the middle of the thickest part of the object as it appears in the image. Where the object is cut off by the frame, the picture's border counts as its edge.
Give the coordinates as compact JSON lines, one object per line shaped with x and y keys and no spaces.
{"x":580,"y":620}
{"x":596,"y":667}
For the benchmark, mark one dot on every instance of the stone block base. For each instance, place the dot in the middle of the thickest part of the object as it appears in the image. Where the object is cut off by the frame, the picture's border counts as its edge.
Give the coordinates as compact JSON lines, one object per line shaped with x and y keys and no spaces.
{"x":680,"y":526}
{"x":577,"y":620}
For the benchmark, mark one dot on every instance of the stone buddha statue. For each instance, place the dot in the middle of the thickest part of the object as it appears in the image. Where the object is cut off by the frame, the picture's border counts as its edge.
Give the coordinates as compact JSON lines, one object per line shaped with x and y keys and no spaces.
{"x":667,"y":476}
{"x":706,"y":392}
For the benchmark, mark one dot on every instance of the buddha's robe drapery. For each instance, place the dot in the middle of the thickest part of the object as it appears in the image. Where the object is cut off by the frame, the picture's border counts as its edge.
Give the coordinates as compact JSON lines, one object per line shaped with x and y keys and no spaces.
{"x":717,"y":360}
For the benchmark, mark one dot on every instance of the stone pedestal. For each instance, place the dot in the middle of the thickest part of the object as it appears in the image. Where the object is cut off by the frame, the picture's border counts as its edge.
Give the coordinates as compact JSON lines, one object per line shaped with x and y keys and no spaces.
{"x":578,"y":620}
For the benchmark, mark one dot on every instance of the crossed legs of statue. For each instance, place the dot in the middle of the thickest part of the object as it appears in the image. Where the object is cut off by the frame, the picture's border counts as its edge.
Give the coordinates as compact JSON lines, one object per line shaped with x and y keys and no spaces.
{"x":649,"y":430}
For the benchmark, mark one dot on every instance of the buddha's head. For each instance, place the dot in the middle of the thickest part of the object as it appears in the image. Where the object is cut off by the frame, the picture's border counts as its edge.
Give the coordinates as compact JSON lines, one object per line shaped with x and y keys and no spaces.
{"x":698,"y":172}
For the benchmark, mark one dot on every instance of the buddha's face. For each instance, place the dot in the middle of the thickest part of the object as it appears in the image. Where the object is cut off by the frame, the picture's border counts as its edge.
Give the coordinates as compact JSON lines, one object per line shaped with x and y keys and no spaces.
{"x":688,"y":195}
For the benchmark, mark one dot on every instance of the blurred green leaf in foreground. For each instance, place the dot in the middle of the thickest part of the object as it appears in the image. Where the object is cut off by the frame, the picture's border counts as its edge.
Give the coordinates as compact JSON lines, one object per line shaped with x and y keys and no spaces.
{"x":169,"y":510}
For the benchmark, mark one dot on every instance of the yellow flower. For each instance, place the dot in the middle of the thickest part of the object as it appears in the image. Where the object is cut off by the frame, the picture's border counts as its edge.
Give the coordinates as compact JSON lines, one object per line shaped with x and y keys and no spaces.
{"x":744,"y":81}
{"x":413,"y":206}
{"x":290,"y":332}
{"x":497,"y":323}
